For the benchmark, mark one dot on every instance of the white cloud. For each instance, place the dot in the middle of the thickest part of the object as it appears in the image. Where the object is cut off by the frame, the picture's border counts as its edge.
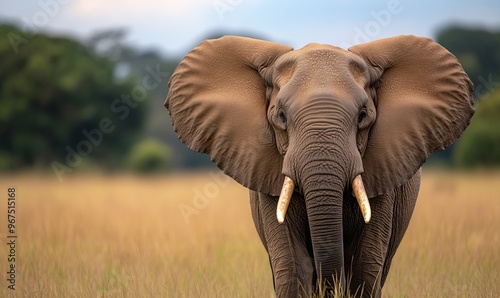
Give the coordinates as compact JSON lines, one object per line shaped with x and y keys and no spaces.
{"x":172,"y":25}
{"x":149,"y":7}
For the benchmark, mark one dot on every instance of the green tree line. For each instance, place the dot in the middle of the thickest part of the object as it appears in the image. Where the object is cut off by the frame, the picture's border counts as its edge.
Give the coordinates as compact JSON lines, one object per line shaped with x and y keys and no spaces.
{"x":57,"y":104}
{"x":479,"y":52}
{"x":69,"y":105}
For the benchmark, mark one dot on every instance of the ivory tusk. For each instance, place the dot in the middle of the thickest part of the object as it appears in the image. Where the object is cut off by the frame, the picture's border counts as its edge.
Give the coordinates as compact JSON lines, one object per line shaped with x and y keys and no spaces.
{"x":360,"y":194}
{"x":285,"y":196}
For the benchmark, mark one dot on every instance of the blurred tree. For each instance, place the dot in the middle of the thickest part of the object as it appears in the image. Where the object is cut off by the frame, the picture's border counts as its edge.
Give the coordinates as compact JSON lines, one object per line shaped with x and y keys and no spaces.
{"x":149,"y":156}
{"x":478,"y":50}
{"x":60,"y":103}
{"x":137,"y":65}
{"x":480,"y":144}
{"x":110,"y":44}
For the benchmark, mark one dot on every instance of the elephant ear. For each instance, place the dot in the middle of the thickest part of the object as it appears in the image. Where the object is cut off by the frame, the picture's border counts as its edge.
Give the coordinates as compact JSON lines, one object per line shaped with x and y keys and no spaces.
{"x":424,"y":103}
{"x":217,"y":104}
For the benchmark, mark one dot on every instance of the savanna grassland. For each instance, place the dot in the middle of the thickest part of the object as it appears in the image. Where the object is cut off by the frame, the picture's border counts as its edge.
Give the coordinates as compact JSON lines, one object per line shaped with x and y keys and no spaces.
{"x":192,"y":236}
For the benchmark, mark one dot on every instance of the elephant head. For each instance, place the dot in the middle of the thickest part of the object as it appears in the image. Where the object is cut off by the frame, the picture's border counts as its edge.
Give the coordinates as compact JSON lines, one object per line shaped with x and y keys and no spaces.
{"x":319,"y":118}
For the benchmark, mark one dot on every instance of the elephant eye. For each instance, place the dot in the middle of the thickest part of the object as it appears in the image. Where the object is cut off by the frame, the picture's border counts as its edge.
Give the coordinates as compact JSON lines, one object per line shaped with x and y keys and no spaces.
{"x":282,"y":116}
{"x":361,"y":116}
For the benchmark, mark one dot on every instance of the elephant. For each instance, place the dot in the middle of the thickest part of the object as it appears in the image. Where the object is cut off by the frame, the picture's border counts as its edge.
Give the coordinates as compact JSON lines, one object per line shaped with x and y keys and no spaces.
{"x":330,"y":143}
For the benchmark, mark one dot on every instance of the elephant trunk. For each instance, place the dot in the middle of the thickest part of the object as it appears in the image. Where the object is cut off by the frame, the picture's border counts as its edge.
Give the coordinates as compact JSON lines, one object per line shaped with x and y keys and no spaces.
{"x":324,"y":162}
{"x":323,"y":192}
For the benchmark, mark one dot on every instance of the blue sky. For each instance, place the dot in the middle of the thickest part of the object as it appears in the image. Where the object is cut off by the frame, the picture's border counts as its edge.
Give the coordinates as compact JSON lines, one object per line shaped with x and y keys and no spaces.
{"x":175,"y":26}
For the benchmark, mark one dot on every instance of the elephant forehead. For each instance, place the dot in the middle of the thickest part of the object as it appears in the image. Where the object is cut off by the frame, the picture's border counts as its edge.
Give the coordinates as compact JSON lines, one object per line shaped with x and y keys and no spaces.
{"x":322,"y":56}
{"x":321,"y":69}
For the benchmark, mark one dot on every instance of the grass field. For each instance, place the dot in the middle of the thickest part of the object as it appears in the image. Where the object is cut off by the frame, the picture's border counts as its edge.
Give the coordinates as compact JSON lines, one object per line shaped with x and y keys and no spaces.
{"x":192,"y":236}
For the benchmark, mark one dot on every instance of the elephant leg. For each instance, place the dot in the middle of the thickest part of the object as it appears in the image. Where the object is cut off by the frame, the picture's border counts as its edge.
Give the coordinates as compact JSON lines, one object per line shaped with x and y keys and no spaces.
{"x":404,"y":204}
{"x":366,"y":248}
{"x":257,"y":220}
{"x":257,"y":217}
{"x":371,"y":247}
{"x":287,"y":244}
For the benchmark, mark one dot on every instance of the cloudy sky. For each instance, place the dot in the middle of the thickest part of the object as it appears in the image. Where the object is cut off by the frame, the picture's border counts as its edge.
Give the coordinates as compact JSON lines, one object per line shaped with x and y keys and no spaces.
{"x":175,"y":26}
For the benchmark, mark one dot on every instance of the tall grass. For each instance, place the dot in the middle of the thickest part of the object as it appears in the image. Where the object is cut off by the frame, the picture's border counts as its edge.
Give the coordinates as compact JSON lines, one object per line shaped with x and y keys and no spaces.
{"x":452,"y":247}
{"x":125,"y":236}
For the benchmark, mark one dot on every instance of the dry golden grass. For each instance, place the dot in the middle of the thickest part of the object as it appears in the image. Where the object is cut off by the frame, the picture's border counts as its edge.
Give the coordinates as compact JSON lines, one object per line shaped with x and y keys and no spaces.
{"x":452,"y":246}
{"x":124,"y":236}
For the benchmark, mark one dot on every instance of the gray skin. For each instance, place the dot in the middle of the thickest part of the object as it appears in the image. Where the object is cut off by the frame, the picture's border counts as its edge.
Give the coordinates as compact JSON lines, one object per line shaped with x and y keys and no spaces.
{"x":368,"y":249}
{"x":322,"y":115}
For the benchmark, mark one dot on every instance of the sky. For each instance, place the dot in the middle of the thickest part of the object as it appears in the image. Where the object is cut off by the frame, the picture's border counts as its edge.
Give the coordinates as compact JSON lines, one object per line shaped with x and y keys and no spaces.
{"x":174,"y":27}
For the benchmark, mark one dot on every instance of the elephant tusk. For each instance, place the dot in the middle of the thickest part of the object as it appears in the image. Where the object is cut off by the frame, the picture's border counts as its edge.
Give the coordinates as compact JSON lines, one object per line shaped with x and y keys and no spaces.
{"x":360,"y":194}
{"x":285,"y":196}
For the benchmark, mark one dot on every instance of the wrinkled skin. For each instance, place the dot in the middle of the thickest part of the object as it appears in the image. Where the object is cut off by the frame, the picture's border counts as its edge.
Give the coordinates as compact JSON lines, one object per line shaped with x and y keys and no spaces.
{"x":368,"y":249}
{"x":322,"y":115}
